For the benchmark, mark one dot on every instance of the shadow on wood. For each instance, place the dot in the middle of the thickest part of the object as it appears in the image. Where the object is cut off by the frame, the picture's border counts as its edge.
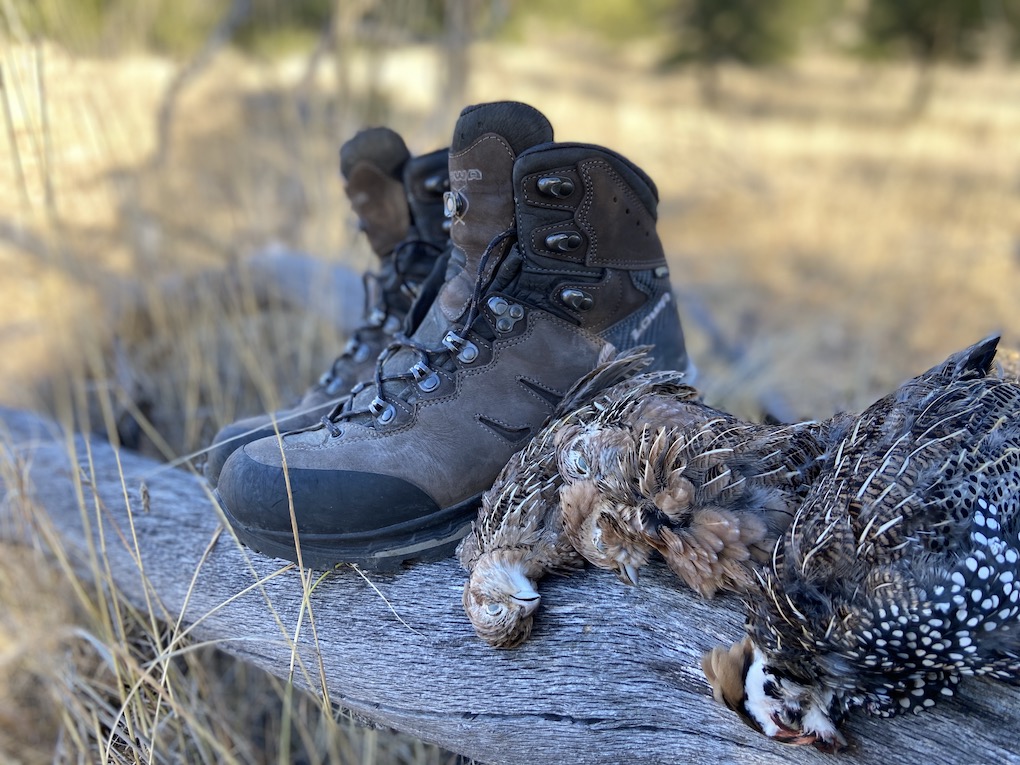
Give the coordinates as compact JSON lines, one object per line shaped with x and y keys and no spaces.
{"x":610,"y":674}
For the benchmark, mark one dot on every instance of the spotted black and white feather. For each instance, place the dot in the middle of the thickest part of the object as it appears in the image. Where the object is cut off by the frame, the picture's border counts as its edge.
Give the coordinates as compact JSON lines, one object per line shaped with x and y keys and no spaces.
{"x":898,"y":573}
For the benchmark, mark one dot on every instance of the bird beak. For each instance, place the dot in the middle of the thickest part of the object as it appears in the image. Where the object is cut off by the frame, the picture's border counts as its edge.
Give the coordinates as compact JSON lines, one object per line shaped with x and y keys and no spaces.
{"x":787,"y":735}
{"x":830,"y":746}
{"x":527,"y":599}
{"x":628,"y":573}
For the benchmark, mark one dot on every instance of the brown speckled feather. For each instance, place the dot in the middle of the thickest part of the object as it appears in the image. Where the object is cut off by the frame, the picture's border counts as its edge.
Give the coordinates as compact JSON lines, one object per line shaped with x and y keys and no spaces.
{"x":517,"y":537}
{"x":711,"y":493}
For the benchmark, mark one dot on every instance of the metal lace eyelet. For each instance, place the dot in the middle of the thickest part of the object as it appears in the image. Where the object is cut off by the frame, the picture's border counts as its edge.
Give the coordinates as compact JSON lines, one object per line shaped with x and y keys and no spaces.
{"x":425,"y":378}
{"x":578,"y":300}
{"x":382,"y":410}
{"x":507,"y":313}
{"x":454,"y":204}
{"x":453,"y":342}
{"x":466,"y":351}
{"x":563,"y":241}
{"x":437,"y":184}
{"x":556,"y":186}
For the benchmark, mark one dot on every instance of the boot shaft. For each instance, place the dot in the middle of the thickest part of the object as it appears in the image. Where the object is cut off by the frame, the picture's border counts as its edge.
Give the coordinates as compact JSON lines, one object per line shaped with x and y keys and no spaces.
{"x":426,"y":180}
{"x":372,"y":165}
{"x":487,"y":140}
{"x":587,"y":205}
{"x":586,"y":236}
{"x":389,"y":189}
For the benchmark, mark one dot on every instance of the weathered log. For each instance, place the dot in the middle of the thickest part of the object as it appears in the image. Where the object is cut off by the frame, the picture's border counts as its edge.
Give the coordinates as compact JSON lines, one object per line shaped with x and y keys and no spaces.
{"x":611,"y":674}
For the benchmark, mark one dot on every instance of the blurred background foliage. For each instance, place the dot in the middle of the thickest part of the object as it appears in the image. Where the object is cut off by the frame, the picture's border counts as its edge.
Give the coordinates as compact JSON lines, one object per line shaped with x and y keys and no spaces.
{"x":752,"y":32}
{"x":688,"y":33}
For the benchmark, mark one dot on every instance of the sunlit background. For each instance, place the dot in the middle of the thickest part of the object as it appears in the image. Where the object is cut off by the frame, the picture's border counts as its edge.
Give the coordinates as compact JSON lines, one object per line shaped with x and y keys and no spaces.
{"x":839,"y":188}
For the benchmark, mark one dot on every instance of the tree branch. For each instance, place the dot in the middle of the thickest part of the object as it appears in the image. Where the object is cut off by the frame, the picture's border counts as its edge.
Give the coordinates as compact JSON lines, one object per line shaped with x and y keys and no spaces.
{"x":611,"y":674}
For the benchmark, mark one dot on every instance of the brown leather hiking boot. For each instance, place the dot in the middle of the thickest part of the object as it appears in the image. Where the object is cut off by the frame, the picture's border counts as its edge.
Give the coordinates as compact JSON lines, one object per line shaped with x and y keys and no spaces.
{"x":555,"y":257}
{"x":399,"y":203}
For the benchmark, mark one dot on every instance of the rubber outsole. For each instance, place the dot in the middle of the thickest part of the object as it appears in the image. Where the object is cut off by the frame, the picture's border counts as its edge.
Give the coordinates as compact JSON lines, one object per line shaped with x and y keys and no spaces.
{"x":385,"y":550}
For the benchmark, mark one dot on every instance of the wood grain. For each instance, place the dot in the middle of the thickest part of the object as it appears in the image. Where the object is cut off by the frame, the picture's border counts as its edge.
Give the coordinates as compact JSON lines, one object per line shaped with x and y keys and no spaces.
{"x":611,"y":674}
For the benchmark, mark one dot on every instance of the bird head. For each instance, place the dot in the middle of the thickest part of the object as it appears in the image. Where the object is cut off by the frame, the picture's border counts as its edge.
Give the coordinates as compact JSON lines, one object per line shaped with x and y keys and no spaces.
{"x":595,"y":452}
{"x":593,"y":524}
{"x":500,"y":599}
{"x":784,"y":710}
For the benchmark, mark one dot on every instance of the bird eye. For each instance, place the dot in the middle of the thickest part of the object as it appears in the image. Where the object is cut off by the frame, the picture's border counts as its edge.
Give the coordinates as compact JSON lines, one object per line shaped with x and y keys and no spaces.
{"x":494,"y":609}
{"x":580,"y":464}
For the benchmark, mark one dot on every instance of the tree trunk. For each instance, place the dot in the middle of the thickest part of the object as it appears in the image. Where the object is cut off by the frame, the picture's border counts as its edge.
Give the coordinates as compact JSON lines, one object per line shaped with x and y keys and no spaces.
{"x":611,"y":674}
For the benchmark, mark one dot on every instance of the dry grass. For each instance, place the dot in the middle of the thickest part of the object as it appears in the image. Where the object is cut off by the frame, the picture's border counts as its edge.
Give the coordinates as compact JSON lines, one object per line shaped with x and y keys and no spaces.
{"x":824,"y":248}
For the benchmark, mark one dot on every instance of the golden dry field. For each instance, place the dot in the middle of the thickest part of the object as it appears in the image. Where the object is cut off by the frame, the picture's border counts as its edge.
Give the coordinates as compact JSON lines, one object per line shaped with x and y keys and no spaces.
{"x":824,"y":244}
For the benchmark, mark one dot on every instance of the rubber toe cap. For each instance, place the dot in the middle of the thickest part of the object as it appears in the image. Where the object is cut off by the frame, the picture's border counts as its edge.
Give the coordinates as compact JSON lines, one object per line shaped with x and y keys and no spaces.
{"x":253,"y":487}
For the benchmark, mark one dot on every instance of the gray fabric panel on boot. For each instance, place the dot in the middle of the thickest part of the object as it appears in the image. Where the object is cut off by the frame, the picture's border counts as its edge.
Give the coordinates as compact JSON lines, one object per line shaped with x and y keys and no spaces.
{"x":457,"y":454}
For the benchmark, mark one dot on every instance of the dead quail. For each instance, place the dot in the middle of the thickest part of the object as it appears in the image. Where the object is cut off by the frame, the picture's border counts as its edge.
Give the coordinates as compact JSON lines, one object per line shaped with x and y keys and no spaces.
{"x":517,"y":537}
{"x":899,"y":572}
{"x":596,"y":454}
{"x":709,"y":492}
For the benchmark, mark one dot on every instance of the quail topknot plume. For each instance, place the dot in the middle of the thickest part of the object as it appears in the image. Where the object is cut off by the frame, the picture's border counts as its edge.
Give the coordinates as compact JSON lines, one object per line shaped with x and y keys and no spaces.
{"x":899,"y":572}
{"x":517,"y":537}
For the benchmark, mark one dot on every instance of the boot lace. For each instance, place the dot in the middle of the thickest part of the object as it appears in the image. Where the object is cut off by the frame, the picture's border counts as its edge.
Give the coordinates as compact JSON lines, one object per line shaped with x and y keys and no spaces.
{"x":376,"y":310}
{"x":454,"y":343}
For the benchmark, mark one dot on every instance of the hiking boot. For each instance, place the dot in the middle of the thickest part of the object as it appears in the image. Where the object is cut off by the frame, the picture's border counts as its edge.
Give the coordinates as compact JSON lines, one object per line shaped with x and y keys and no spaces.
{"x":555,"y":257}
{"x":399,"y":203}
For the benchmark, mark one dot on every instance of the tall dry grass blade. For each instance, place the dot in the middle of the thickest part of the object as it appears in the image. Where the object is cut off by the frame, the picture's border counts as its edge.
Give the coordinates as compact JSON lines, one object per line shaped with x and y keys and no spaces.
{"x":6,"y":88}
{"x":47,"y":134}
{"x":378,"y":592}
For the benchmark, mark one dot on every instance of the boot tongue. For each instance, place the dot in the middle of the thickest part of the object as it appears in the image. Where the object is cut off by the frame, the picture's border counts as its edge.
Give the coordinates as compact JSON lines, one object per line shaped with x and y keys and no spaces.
{"x":426,"y":179}
{"x":372,"y":165}
{"x":486,"y":141}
